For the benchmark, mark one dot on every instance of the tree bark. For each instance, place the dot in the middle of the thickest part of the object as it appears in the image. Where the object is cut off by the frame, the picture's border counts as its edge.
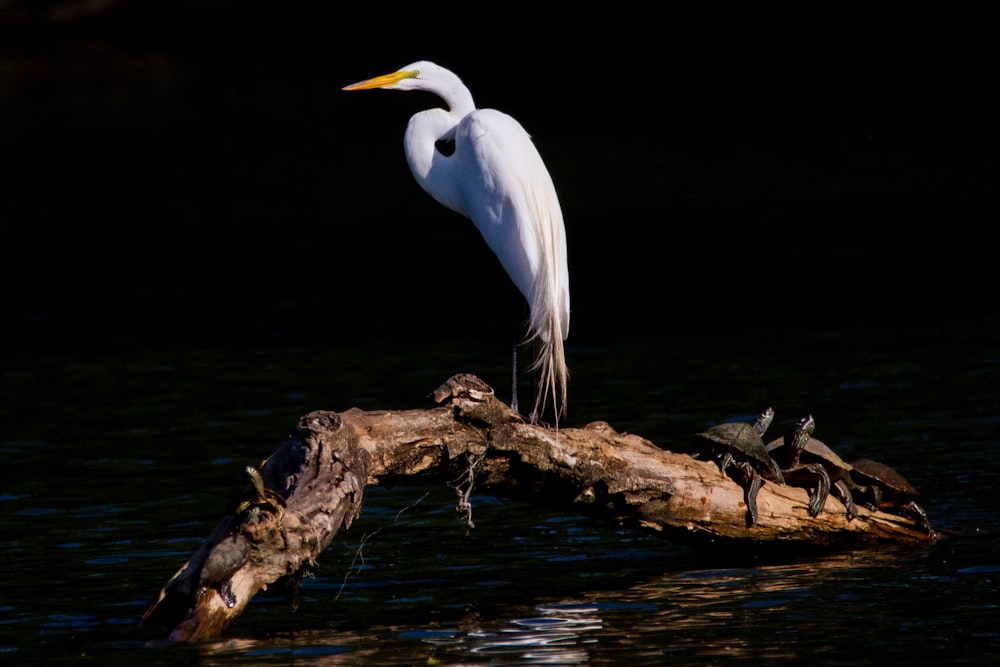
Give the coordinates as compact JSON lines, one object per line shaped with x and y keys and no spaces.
{"x":323,"y":467}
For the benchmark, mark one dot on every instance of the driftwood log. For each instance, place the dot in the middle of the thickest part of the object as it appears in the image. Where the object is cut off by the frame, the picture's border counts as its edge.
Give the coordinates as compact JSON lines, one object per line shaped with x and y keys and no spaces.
{"x":313,"y":485}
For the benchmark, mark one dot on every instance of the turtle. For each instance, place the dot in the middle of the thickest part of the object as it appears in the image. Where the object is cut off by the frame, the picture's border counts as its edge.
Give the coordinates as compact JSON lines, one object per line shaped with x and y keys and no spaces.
{"x":879,"y":487}
{"x":803,"y":458}
{"x":739,"y":444}
{"x":249,"y":510}
{"x":222,"y":562}
{"x":230,"y":554}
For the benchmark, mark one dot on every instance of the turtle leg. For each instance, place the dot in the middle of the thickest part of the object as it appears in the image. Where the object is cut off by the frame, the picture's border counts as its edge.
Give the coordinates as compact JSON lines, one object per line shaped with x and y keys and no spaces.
{"x":752,"y":481}
{"x":917,"y":513}
{"x":843,"y":494}
{"x":226,"y":593}
{"x":866,"y":497}
{"x":725,"y":461}
{"x":776,"y":473}
{"x":876,"y":497}
{"x":859,"y":492}
{"x":818,"y":499}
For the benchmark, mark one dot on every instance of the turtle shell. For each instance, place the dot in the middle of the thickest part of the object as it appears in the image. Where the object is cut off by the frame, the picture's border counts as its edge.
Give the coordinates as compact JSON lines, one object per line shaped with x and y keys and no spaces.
{"x":867,"y":470}
{"x":742,"y":440}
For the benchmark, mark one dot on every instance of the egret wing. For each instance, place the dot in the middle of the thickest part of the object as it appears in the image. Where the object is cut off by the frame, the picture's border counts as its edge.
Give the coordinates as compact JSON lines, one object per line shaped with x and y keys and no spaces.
{"x":512,"y":201}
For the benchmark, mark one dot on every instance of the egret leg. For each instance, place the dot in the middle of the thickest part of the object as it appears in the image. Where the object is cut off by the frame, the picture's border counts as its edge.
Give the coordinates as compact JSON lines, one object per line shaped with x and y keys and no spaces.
{"x":516,"y":306}
{"x":513,"y":375}
{"x":535,"y":417}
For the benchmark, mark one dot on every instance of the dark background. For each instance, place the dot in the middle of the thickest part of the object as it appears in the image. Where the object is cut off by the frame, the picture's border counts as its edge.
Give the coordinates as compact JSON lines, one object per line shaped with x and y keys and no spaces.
{"x":186,"y":173}
{"x":202,"y":238}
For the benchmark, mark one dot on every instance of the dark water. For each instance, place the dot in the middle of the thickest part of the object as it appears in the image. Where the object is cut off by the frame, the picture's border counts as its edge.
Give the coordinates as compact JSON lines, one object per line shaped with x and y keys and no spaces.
{"x":202,"y":243}
{"x":118,"y":465}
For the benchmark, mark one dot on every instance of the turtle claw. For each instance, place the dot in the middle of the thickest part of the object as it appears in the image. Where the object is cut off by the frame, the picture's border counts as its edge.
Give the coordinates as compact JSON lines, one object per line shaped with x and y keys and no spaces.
{"x":816,"y":502}
{"x":226,"y":593}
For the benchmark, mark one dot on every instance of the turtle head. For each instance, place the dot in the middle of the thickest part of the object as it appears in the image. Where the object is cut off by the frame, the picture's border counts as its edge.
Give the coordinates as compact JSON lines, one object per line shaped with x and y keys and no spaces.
{"x":763,"y":420}
{"x":797,"y":438}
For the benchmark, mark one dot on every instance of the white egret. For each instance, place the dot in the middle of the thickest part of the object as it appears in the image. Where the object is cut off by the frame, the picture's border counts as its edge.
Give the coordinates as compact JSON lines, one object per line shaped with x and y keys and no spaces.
{"x":495,"y":177}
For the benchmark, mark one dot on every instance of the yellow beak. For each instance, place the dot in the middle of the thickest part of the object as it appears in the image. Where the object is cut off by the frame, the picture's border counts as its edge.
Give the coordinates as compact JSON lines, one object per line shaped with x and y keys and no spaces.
{"x":383,"y":81}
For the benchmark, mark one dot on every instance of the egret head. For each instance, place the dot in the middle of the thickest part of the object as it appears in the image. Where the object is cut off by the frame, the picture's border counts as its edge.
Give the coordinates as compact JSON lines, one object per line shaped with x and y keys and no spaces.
{"x":420,"y":75}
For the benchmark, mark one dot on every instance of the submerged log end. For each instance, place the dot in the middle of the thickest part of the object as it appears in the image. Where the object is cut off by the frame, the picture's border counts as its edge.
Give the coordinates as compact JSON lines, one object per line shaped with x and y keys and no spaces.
{"x":304,"y":493}
{"x":214,"y":609}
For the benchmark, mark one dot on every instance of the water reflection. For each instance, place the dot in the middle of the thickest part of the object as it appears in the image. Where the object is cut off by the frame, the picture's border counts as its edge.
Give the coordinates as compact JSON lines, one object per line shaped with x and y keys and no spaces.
{"x":738,"y":613}
{"x":309,"y":647}
{"x":557,"y":637}
{"x":745,"y":614}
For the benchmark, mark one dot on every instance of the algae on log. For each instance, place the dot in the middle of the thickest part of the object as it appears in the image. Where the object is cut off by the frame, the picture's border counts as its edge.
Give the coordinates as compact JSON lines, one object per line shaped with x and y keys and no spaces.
{"x":323,"y":467}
